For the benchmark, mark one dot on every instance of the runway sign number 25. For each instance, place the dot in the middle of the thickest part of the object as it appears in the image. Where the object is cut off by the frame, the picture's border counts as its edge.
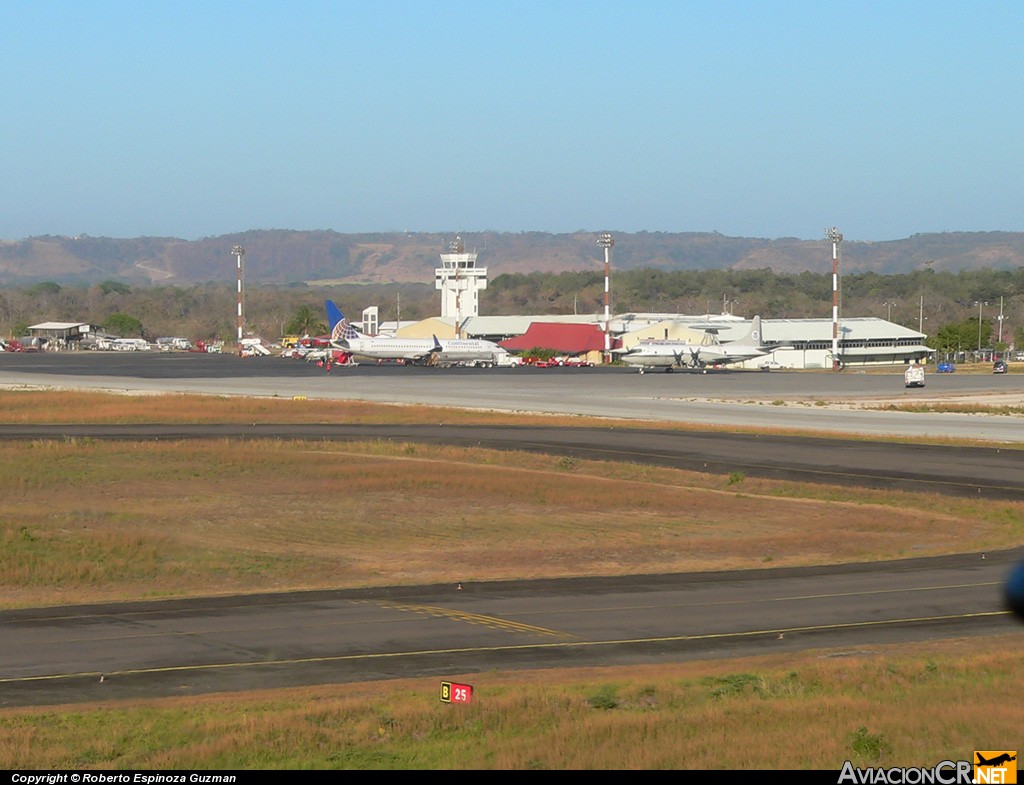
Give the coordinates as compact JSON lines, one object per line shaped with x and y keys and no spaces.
{"x":456,"y":693}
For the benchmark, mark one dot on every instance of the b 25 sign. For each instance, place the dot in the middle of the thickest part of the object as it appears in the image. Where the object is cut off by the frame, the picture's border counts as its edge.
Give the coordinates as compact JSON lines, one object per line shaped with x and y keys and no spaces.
{"x":456,"y":693}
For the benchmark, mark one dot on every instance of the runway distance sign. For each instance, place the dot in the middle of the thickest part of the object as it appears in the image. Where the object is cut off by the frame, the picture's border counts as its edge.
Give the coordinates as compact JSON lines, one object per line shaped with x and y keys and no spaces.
{"x":456,"y":693}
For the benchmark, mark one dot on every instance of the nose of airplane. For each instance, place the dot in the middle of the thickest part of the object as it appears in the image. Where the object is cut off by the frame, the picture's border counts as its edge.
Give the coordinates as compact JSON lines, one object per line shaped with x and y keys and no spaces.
{"x":1014,"y":591}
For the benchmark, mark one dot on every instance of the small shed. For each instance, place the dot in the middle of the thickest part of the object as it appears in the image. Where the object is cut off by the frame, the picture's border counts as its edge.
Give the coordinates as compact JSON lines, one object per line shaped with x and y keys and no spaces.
{"x":61,"y":334}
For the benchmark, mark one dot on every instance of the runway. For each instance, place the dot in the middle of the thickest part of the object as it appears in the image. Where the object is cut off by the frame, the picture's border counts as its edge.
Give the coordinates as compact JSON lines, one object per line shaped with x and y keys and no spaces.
{"x":190,"y":647}
{"x":185,"y":647}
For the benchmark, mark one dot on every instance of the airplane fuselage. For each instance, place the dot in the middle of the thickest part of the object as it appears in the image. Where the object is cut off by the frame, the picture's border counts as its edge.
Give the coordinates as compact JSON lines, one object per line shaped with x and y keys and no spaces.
{"x":421,"y":350}
{"x":389,"y":348}
{"x":470,"y":350}
{"x":656,"y":355}
{"x":729,"y":354}
{"x":672,"y":354}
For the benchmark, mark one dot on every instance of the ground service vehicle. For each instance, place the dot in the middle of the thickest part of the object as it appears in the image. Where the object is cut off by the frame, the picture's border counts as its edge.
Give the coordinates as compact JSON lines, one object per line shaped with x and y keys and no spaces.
{"x":914,"y":376}
{"x":574,"y":362}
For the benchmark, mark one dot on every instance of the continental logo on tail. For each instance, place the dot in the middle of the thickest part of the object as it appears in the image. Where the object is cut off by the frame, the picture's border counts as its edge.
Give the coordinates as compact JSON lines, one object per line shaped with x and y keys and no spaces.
{"x":995,"y":766}
{"x":343,"y":330}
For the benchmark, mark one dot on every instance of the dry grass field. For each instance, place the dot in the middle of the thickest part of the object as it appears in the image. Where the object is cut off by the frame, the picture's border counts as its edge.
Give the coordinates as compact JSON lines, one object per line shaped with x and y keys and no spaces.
{"x":89,"y":520}
{"x":84,"y":520}
{"x":886,"y":706}
{"x":100,"y":521}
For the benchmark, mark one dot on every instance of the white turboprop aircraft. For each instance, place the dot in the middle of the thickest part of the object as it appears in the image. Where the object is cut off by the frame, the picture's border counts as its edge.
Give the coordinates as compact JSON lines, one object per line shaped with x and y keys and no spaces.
{"x":686,"y":354}
{"x":419,"y":351}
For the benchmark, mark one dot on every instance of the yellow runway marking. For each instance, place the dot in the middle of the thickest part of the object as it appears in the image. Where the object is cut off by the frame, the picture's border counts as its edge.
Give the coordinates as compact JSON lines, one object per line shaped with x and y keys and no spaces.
{"x":475,"y":618}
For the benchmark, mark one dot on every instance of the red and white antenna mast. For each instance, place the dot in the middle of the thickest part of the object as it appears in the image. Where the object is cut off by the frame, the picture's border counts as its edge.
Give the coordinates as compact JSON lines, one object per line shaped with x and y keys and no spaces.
{"x":606,"y":241}
{"x":835,"y":237}
{"x":238,"y":252}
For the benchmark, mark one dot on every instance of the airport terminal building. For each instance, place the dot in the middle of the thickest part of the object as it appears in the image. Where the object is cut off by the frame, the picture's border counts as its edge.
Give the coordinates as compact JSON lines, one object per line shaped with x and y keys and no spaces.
{"x":794,"y":343}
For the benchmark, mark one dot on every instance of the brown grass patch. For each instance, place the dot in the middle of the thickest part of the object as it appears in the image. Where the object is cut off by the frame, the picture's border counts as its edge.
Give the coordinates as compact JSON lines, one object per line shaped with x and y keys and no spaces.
{"x":46,"y":407}
{"x":101,"y":520}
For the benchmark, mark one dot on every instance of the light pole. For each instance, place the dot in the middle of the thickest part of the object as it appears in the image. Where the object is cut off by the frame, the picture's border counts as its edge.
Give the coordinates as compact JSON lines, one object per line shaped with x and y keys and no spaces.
{"x":1000,"y":338}
{"x":890,"y":304}
{"x":980,"y":303}
{"x":606,"y":241}
{"x":835,"y":237}
{"x":238,"y":252}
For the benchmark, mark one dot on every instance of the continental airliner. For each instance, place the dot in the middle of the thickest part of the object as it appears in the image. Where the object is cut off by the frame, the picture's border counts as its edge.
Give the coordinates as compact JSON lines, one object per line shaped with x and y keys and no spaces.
{"x":418,"y":351}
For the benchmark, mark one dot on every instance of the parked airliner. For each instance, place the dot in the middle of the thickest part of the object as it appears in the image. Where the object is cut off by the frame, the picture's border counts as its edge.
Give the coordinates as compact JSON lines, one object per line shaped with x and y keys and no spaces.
{"x":687,"y":354}
{"x":419,"y":351}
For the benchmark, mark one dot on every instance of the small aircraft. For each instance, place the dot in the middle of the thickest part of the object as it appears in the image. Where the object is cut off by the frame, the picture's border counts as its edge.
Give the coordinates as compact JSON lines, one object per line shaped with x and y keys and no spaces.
{"x":418,"y":351}
{"x":687,"y":354}
{"x":998,"y":760}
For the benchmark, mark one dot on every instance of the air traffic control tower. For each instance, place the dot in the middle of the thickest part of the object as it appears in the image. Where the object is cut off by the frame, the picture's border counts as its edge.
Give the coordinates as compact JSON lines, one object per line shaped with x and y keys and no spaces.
{"x":460,"y":282}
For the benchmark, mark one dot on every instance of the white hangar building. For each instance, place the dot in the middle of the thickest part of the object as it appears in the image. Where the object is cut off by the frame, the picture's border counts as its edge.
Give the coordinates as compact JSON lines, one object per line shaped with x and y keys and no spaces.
{"x":864,"y":340}
{"x":798,"y":343}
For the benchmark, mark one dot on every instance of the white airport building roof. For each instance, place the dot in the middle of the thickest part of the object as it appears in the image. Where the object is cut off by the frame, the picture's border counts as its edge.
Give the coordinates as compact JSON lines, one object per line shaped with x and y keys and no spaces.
{"x":866,"y":328}
{"x":43,"y":326}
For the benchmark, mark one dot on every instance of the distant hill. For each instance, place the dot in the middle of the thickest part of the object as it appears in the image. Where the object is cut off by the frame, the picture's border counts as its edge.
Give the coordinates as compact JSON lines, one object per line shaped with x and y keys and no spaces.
{"x":283,"y":256}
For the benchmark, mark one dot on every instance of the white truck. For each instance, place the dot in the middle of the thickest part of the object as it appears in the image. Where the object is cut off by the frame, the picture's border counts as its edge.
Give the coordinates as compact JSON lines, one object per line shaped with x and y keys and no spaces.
{"x":914,"y":376}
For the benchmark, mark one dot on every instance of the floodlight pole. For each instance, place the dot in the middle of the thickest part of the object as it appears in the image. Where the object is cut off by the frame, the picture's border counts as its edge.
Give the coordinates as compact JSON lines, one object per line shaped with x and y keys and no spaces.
{"x":238,"y":252}
{"x":606,"y":241}
{"x":979,"y":327}
{"x":836,"y":238}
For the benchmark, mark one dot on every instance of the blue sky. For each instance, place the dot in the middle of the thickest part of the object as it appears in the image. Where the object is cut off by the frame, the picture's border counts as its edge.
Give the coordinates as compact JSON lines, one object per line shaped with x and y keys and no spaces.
{"x":755,"y":119}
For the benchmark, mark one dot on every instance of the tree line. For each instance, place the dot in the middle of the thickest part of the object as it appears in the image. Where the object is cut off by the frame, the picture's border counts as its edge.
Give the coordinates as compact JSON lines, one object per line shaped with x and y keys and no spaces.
{"x":951,"y":308}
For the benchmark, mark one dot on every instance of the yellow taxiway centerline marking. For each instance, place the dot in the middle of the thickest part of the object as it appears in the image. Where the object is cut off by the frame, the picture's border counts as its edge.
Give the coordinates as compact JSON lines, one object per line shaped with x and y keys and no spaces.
{"x":478,"y":649}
